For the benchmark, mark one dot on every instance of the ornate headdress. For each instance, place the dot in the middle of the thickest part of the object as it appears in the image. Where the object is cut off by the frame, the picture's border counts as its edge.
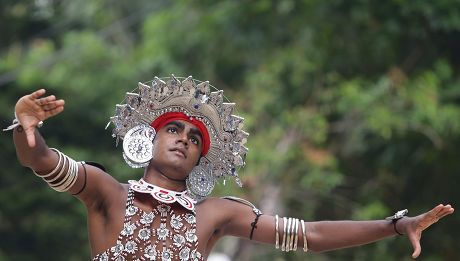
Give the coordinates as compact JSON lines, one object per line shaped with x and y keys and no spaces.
{"x":134,"y":117}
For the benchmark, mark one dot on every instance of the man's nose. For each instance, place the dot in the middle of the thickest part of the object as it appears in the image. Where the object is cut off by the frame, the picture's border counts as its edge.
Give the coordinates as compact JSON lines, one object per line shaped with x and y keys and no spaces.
{"x":183,"y":137}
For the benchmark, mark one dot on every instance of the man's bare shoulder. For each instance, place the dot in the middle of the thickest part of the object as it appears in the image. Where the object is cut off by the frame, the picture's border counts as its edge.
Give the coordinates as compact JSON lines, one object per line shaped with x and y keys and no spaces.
{"x":100,"y":189}
{"x":213,"y":204}
{"x":216,"y":211}
{"x":212,"y":201}
{"x":230,"y":215}
{"x":227,"y":203}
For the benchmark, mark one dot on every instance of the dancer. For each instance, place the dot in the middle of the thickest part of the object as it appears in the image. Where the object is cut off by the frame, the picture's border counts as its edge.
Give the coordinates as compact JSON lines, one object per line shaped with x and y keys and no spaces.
{"x":186,"y":137}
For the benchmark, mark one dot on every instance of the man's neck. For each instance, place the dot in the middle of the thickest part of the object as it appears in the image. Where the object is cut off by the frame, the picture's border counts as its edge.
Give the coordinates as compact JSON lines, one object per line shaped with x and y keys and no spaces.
{"x":161,"y":179}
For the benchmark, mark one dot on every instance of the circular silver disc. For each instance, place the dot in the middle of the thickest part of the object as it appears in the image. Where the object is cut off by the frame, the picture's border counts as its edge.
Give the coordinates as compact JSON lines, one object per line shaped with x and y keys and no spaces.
{"x":200,"y":181}
{"x":138,"y":145}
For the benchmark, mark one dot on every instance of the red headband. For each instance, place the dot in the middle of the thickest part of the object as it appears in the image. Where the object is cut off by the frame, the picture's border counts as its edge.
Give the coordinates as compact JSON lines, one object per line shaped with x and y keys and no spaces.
{"x":168,"y":117}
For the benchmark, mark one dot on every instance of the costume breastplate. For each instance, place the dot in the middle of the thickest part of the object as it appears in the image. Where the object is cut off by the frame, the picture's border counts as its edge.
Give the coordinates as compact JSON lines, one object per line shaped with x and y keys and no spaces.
{"x":163,"y":234}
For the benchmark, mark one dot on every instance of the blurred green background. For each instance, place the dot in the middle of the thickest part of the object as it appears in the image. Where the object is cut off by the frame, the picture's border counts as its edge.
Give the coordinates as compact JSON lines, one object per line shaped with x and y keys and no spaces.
{"x":353,"y":108}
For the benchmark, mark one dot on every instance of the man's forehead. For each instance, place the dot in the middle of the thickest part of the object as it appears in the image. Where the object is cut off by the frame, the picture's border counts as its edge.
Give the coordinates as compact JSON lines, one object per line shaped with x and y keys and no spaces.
{"x":182,"y":124}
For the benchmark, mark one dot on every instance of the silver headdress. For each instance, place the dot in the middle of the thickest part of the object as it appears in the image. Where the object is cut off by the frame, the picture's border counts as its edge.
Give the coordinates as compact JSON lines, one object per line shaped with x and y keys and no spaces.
{"x":193,"y":98}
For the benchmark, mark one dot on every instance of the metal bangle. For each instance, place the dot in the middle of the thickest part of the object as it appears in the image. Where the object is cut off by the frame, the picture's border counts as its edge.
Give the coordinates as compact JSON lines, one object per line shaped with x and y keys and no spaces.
{"x":288,"y":236}
{"x":55,"y":169}
{"x":394,"y":221}
{"x":59,"y":175}
{"x":74,"y":176}
{"x":296,"y":238}
{"x":13,"y":125}
{"x":277,"y":235}
{"x":293,"y":233}
{"x":304,"y":234}
{"x":70,"y":178}
{"x":283,"y":245}
{"x":291,"y":230}
{"x":16,"y":123}
{"x":66,"y":176}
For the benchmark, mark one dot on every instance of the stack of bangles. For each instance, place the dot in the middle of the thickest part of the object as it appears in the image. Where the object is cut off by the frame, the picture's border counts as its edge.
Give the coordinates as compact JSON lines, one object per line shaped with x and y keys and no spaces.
{"x":64,"y":175}
{"x":290,"y":234}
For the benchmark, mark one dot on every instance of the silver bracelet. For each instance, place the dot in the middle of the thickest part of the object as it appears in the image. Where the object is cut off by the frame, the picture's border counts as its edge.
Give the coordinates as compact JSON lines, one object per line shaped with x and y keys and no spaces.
{"x":70,"y":175}
{"x":55,"y":169}
{"x":283,"y":245}
{"x":61,"y":172}
{"x":289,"y":234}
{"x":292,"y":227}
{"x":70,"y":178}
{"x":289,"y":243}
{"x":304,"y":234}
{"x":293,"y":233}
{"x":67,"y":176}
{"x":296,"y":238}
{"x":16,"y":123}
{"x":13,"y":125}
{"x":65,"y":181}
{"x":277,"y":235}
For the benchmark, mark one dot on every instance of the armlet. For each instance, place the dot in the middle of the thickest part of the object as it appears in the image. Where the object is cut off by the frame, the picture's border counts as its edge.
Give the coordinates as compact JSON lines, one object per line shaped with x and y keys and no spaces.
{"x":245,"y":202}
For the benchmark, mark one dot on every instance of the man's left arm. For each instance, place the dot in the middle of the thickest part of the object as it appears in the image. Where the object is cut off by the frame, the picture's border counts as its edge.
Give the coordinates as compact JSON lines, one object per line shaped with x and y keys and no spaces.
{"x":328,"y":235}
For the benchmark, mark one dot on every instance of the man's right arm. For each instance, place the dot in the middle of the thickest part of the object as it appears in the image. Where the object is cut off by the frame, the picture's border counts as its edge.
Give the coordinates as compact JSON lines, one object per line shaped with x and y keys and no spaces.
{"x":93,"y":185}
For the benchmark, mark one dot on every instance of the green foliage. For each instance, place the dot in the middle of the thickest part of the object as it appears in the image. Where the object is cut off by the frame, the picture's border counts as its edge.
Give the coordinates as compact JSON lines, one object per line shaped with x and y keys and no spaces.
{"x":353,"y":106}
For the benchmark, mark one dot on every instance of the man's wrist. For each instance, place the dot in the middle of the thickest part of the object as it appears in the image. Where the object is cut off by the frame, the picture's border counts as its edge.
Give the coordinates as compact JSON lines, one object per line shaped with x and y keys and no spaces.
{"x":397,"y":226}
{"x":17,"y":123}
{"x":397,"y":217}
{"x":14,"y":124}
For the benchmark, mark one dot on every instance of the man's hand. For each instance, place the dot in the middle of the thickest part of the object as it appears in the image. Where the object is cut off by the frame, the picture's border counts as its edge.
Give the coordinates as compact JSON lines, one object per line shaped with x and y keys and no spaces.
{"x":414,"y":226}
{"x":31,"y":109}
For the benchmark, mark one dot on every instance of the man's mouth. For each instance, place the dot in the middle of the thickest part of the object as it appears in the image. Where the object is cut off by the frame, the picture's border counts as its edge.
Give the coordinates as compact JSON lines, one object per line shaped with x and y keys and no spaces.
{"x":180,"y":152}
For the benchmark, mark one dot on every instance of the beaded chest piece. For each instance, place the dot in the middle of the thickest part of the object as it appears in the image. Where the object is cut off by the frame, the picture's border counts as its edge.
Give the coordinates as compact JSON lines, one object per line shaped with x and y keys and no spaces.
{"x":164,"y":234}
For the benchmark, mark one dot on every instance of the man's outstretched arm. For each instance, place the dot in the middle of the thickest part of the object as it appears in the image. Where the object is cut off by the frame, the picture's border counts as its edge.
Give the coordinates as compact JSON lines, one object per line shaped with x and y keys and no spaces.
{"x":33,"y":152}
{"x":31,"y":148}
{"x":329,"y":235}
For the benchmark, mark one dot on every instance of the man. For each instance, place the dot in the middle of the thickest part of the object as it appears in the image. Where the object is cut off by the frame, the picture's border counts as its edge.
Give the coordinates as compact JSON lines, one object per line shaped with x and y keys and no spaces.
{"x":185,"y":137}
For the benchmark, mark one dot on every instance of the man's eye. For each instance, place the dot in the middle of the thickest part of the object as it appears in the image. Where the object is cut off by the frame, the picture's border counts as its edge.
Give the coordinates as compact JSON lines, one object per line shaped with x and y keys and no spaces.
{"x":194,"y":140}
{"x":172,"y":130}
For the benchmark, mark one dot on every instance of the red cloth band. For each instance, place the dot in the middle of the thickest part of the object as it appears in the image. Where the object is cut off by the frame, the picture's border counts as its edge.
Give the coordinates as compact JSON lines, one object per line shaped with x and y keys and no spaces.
{"x":168,"y":117}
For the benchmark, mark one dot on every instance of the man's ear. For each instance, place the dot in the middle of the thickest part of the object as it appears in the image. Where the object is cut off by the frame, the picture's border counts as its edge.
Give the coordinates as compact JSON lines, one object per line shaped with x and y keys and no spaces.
{"x":155,"y":139}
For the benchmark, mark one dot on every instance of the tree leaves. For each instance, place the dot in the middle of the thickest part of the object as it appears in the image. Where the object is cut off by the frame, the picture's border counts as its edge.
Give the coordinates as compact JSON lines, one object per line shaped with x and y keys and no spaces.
{"x":353,"y":107}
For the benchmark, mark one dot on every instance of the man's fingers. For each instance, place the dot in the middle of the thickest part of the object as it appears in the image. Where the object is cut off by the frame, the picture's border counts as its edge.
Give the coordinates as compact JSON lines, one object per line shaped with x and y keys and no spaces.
{"x":54,"y":111}
{"x":60,"y":102}
{"x":30,"y":135}
{"x":53,"y":104}
{"x":432,"y":216}
{"x":437,"y":209}
{"x":57,"y":103}
{"x":416,"y":252}
{"x":415,"y":241}
{"x":38,"y":93}
{"x":446,"y":211}
{"x":45,"y":100}
{"x":440,"y":211}
{"x":423,"y":222}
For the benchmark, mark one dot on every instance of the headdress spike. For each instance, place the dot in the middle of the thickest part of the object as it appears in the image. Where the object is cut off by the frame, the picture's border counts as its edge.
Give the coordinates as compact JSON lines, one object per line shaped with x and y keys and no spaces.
{"x":188,"y":85}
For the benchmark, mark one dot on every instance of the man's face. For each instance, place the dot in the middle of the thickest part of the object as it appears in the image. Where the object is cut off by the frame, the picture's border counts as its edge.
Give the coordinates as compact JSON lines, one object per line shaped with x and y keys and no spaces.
{"x":177,"y":149}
